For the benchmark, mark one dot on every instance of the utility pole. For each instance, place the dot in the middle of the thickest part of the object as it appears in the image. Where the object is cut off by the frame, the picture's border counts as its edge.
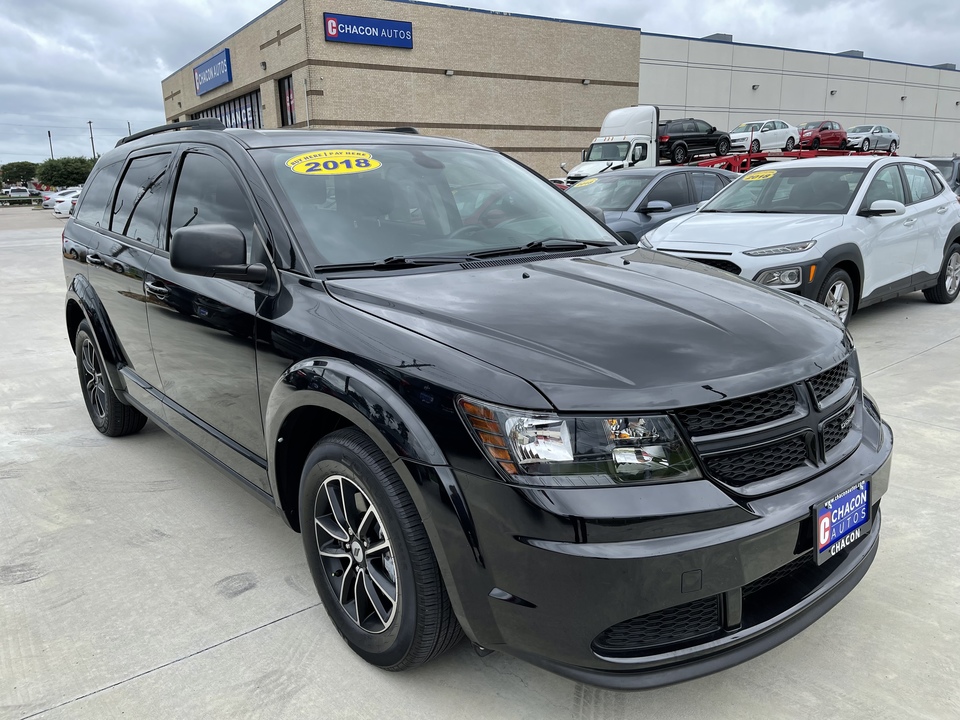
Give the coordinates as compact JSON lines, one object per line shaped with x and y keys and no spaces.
{"x":92,"y":146}
{"x":50,"y":138}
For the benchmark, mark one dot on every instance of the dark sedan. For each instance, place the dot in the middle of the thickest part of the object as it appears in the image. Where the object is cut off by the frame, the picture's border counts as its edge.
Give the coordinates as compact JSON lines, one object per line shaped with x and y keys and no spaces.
{"x":635,"y":201}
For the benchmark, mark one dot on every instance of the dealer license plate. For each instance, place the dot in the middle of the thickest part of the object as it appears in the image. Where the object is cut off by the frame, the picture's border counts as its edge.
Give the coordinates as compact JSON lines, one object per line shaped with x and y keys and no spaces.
{"x":841,"y":521}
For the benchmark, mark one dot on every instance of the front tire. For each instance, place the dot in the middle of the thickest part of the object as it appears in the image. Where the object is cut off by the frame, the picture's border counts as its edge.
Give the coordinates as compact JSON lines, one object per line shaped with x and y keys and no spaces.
{"x":370,"y":557}
{"x":108,"y":415}
{"x":755,"y":146}
{"x":678,"y":156}
{"x":791,"y":143}
{"x":948,"y":284}
{"x":815,"y":145}
{"x":837,"y":295}
{"x":865,"y":145}
{"x":723,"y":147}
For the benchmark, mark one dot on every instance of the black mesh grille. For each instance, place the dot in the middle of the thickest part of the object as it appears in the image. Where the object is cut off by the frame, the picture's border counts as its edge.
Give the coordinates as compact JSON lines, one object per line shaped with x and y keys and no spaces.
{"x":827,"y":382}
{"x":740,"y":413}
{"x":722,"y":264}
{"x":837,"y":429}
{"x":779,"y":574}
{"x":664,"y":627}
{"x":738,"y":469}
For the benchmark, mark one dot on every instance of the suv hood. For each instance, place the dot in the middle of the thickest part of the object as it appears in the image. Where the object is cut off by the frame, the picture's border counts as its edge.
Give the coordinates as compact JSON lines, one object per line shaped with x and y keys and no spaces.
{"x":733,"y":232}
{"x":596,"y":333}
{"x":592,"y":168}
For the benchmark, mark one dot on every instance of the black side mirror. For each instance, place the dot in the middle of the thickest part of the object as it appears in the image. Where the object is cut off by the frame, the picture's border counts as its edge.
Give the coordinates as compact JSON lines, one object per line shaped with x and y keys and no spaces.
{"x":214,"y":251}
{"x":713,"y":129}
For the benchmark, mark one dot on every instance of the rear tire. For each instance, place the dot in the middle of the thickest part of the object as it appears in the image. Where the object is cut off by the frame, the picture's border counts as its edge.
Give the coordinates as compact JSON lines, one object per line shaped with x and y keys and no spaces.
{"x":893,"y":146}
{"x":678,"y":156}
{"x":948,"y":284}
{"x":377,"y":577}
{"x":108,"y":415}
{"x":836,"y":295}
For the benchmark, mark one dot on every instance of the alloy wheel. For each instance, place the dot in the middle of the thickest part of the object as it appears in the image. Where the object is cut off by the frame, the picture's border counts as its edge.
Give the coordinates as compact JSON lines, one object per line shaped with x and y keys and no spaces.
{"x":952,"y":277}
{"x":866,"y":145}
{"x":93,"y":381}
{"x":837,"y":299}
{"x":356,"y":554}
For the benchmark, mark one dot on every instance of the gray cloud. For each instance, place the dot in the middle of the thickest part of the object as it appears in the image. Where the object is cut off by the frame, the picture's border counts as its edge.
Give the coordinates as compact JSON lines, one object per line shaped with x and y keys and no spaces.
{"x":65,"y":62}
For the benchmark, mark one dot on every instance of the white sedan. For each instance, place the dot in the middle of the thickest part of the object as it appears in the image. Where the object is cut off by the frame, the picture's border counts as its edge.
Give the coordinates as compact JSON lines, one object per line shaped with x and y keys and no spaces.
{"x":64,"y":206}
{"x":847,"y":231}
{"x":51,"y":198}
{"x":762,"y":135}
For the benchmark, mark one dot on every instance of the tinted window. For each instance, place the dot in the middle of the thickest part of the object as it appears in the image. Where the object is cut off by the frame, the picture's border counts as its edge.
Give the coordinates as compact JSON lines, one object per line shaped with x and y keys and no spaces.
{"x":944,"y":166}
{"x":207,"y":193}
{"x":690,"y":127}
{"x":607,"y":193}
{"x":885,"y":186}
{"x":704,"y":127}
{"x":136,"y":209}
{"x":97,"y":198}
{"x":705,"y":185}
{"x":671,"y":189}
{"x":918,"y":180}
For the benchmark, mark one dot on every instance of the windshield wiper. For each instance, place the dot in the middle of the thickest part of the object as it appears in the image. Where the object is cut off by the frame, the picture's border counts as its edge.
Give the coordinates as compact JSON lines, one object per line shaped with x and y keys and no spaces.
{"x":767,"y":212}
{"x":546,"y":245}
{"x":396,"y":261}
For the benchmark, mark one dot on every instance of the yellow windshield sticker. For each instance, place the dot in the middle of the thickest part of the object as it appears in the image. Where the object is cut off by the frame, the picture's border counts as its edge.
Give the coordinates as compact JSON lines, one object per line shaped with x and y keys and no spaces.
{"x":333,"y":162}
{"x":583,"y":183}
{"x":761,"y":175}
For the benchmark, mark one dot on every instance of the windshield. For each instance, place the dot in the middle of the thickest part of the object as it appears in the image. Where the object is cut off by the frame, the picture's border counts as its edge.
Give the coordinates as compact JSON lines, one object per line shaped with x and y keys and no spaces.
{"x":612,"y":151}
{"x":810,"y":125}
{"x":802,"y":191}
{"x":747,"y":127}
{"x":365,"y":203}
{"x":861,"y":129}
{"x":609,"y":193}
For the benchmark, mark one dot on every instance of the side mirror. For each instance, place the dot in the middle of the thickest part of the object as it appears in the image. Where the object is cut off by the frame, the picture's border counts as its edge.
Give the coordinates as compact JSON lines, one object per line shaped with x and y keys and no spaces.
{"x":583,"y":156}
{"x":596,"y":212}
{"x":639,"y":153}
{"x":713,"y":129}
{"x":563,"y":166}
{"x":213,"y":251}
{"x":883,"y":207}
{"x":702,"y":203}
{"x":655,"y":206}
{"x":765,"y":129}
{"x":876,"y":131}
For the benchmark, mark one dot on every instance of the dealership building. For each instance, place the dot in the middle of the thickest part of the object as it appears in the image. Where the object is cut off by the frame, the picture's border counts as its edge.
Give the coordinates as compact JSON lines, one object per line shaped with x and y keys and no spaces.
{"x":536,"y":88}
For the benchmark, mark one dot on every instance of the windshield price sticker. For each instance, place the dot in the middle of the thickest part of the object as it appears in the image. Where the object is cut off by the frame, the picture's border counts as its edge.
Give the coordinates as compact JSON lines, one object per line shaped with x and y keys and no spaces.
{"x":761,"y":175}
{"x":333,"y":162}
{"x":588,"y":181}
{"x":839,"y":522}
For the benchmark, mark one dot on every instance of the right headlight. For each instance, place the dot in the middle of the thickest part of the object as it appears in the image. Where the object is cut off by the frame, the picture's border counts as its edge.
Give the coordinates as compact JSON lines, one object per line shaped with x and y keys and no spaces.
{"x":546,"y":449}
{"x":644,"y":241}
{"x":781,"y":249}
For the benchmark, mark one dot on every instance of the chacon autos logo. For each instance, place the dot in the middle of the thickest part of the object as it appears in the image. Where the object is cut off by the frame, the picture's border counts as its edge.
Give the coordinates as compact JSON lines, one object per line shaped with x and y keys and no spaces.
{"x":332,"y":27}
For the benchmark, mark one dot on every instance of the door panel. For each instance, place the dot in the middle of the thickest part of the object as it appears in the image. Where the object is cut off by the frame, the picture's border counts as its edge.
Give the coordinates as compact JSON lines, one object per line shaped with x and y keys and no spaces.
{"x":890,"y":241}
{"x":936,"y":213}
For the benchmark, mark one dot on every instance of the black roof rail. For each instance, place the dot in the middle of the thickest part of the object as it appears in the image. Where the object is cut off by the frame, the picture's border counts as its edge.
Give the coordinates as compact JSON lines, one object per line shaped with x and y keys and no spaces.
{"x":405,"y":130}
{"x":202,"y":124}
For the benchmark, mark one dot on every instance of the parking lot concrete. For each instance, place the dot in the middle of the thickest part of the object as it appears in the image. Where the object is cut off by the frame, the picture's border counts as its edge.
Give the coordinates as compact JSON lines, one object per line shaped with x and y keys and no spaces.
{"x":137,"y":581}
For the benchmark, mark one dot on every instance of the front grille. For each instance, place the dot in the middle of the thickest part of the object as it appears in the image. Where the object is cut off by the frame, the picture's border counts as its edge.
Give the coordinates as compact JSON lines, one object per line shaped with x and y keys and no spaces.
{"x":674,"y":625}
{"x":779,"y":574}
{"x":739,"y":413}
{"x":837,"y":429}
{"x":721,"y":264}
{"x":829,"y":381}
{"x":741,"y":468}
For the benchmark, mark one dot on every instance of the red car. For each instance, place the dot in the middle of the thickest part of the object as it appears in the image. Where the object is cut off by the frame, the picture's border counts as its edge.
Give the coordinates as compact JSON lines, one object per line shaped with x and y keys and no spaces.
{"x":822,"y":133}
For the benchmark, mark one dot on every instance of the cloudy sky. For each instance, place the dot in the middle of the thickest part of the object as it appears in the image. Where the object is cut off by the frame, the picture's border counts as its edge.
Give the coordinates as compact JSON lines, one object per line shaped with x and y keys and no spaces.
{"x":64,"y":62}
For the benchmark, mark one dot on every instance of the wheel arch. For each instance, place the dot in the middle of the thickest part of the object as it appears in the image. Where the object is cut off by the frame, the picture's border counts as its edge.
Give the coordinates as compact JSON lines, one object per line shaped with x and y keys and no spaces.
{"x":952,"y":237}
{"x":849,"y":259}
{"x":82,"y":304}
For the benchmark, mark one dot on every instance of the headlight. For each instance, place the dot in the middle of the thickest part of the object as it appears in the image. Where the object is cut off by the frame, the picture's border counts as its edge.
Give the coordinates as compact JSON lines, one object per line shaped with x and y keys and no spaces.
{"x":783,"y":278}
{"x":644,"y":241}
{"x":781,"y":249}
{"x":548,"y":450}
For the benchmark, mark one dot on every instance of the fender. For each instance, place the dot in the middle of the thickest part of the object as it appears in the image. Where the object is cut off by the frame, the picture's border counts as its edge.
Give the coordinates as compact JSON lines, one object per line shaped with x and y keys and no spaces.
{"x":81,"y":293}
{"x":848,"y":252}
{"x":952,"y":237}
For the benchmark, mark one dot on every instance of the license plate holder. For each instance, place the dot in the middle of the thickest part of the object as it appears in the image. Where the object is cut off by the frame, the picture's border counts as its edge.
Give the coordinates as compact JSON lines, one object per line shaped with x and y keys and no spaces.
{"x":841,"y":521}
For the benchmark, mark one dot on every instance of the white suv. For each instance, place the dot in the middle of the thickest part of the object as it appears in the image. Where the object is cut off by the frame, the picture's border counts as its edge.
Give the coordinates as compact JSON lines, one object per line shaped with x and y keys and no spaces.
{"x":847,"y":231}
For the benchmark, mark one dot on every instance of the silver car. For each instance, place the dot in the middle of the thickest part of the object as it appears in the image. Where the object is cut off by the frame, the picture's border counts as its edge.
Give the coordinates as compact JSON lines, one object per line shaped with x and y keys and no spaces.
{"x":872,"y":137}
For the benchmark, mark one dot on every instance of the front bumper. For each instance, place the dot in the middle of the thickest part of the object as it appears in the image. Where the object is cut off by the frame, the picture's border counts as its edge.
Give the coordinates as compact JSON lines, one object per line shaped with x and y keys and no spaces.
{"x":552,"y":571}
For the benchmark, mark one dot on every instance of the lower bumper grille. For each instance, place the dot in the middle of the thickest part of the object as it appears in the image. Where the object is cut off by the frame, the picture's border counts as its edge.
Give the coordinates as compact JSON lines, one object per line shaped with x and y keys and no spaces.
{"x":678,"y":624}
{"x":720,"y":264}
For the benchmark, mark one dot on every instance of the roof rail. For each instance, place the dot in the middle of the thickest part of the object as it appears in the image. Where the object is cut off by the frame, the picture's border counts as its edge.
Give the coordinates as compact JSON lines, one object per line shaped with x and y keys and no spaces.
{"x":405,"y":130}
{"x":202,"y":124}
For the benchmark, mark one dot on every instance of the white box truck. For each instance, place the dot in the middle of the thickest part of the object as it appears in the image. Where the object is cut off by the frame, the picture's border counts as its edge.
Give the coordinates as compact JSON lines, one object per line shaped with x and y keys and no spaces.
{"x":628,"y":138}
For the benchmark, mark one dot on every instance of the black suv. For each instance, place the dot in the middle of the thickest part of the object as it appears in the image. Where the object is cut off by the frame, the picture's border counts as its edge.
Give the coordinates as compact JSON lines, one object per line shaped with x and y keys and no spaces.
{"x":484,"y":413}
{"x":683,"y":139}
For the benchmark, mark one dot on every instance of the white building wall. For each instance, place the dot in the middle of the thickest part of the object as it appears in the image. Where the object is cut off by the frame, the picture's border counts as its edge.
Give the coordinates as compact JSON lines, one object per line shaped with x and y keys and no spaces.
{"x":715,"y":81}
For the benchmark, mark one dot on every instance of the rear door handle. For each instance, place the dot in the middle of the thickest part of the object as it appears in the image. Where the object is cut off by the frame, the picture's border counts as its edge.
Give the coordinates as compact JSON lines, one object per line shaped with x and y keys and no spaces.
{"x":942,"y":209}
{"x":94,"y":259}
{"x":156,"y":289}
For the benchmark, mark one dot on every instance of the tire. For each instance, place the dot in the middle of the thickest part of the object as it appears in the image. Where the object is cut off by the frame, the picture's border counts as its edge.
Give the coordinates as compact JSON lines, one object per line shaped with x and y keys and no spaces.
{"x":678,"y":155}
{"x":865,"y":145}
{"x":893,"y":147}
{"x":755,"y":146}
{"x":791,"y":143}
{"x":108,"y":415}
{"x":815,"y":145}
{"x":948,"y":284}
{"x":396,"y":614}
{"x":723,"y":147}
{"x":837,"y":295}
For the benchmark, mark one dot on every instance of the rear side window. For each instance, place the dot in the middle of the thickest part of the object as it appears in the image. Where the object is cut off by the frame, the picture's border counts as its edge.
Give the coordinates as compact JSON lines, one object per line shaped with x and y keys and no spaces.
{"x":705,"y":185}
{"x":937,"y":185}
{"x":136,"y":209}
{"x":671,"y":189}
{"x":208,"y":193}
{"x":919,"y":182}
{"x":97,"y":198}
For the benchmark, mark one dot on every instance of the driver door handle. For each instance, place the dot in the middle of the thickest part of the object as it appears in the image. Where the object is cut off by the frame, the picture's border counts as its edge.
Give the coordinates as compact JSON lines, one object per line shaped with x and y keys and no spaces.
{"x":942,"y":209}
{"x":156,"y":289}
{"x":94,"y":259}
{"x":910,"y":222}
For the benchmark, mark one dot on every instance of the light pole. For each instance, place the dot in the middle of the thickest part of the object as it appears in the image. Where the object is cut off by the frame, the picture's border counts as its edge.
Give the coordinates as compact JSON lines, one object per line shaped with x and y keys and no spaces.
{"x":92,"y":146}
{"x":50,"y":138}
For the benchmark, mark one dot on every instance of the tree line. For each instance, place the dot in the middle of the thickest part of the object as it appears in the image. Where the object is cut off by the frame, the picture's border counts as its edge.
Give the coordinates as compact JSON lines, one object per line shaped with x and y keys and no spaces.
{"x":59,"y":172}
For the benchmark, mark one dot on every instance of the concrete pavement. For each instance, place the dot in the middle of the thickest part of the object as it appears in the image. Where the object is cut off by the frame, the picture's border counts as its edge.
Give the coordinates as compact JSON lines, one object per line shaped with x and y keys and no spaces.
{"x":137,"y":581}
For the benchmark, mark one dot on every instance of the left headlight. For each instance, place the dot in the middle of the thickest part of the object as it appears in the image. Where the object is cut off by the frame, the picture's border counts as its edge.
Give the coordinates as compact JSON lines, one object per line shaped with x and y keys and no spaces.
{"x":546,"y":449}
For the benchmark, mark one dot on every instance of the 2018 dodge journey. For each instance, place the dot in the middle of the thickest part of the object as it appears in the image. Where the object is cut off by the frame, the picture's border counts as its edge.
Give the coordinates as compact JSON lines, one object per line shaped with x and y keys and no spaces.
{"x":485,"y":414}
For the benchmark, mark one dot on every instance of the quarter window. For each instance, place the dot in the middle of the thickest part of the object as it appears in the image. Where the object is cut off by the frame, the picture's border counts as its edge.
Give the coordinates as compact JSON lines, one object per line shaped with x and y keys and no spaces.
{"x":97,"y":198}
{"x":705,"y":185}
{"x":921,"y":187}
{"x":136,"y":209}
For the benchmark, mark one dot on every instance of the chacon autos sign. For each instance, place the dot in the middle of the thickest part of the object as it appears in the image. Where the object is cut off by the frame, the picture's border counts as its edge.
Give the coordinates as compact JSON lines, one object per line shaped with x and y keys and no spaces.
{"x":213,"y":73}
{"x":367,"y":31}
